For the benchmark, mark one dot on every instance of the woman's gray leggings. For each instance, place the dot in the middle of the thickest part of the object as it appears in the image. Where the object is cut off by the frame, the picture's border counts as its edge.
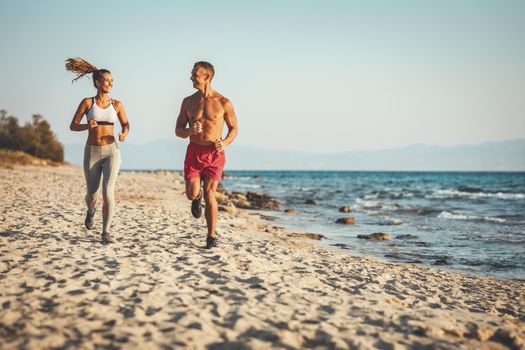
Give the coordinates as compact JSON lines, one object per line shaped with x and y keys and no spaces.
{"x":102,"y":163}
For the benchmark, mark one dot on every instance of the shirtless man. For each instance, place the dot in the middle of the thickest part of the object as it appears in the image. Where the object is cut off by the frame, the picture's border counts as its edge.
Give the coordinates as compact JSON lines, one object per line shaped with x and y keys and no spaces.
{"x":201,"y":118}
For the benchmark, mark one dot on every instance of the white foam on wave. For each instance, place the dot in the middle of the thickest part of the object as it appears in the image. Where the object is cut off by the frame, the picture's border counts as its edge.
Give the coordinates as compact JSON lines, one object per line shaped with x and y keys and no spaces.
{"x":372,"y":196}
{"x":249,"y":186}
{"x":452,"y":216}
{"x":441,"y":194}
{"x":361,"y":203}
{"x":396,"y":221}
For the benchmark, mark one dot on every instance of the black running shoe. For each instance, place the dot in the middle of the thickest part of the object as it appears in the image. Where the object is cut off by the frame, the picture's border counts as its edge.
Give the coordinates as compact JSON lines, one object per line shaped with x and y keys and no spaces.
{"x":105,"y":239}
{"x":196,"y":209}
{"x":90,"y":223}
{"x":211,"y":242}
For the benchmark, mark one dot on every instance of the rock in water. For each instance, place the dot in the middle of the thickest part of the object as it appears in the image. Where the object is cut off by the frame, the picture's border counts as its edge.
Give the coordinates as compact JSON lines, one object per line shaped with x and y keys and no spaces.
{"x":468,"y":189}
{"x":345,"y":209}
{"x":347,"y":221}
{"x":378,"y":236}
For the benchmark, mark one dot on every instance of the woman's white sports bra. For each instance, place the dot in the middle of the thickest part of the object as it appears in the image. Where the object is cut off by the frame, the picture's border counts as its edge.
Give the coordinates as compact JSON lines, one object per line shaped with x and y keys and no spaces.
{"x":105,"y":115}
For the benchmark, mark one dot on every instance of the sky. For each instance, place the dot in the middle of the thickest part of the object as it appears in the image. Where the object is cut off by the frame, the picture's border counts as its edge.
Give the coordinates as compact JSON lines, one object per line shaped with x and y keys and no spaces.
{"x":316,"y":76}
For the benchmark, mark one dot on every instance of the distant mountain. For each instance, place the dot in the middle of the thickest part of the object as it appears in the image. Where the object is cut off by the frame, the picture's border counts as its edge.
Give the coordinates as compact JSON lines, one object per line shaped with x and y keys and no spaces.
{"x":169,"y":154}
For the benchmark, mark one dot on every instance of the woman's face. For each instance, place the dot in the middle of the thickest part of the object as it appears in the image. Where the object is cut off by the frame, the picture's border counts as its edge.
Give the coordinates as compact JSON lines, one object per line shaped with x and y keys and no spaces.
{"x":105,"y":83}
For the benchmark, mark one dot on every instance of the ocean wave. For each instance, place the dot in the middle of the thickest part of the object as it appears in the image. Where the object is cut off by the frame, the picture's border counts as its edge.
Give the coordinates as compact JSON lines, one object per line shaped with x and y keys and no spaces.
{"x":452,"y":216}
{"x":443,"y":194}
{"x":361,"y":203}
{"x":371,"y":196}
{"x":390,"y":194}
{"x":249,"y":186}
{"x":418,"y":211}
{"x":385,"y":222}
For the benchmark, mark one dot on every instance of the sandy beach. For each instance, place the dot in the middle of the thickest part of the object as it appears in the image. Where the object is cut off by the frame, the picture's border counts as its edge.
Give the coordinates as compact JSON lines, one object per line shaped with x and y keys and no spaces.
{"x":264,"y":287}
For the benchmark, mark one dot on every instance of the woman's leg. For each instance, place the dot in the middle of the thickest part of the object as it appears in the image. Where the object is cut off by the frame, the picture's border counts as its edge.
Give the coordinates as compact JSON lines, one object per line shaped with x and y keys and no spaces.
{"x":110,"y":169}
{"x":92,"y":173}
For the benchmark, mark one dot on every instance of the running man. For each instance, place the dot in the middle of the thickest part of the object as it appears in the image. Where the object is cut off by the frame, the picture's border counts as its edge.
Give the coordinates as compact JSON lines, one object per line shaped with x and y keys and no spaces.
{"x":201,"y":118}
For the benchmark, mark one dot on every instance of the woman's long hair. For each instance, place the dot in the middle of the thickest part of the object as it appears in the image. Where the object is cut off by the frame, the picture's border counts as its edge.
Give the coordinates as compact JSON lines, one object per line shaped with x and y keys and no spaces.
{"x":82,"y":67}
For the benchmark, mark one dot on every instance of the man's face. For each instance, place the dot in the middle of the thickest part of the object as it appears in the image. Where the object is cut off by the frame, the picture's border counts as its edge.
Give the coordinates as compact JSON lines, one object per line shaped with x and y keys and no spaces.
{"x":105,"y":83}
{"x":199,"y":77}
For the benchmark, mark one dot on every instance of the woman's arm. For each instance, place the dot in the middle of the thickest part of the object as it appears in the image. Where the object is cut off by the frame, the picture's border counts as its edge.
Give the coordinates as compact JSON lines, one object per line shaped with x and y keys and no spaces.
{"x":75,"y":125}
{"x":123,"y":119}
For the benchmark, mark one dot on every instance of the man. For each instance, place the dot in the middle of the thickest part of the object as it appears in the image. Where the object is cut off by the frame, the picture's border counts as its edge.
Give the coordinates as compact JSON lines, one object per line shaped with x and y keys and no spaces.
{"x":201,"y":118}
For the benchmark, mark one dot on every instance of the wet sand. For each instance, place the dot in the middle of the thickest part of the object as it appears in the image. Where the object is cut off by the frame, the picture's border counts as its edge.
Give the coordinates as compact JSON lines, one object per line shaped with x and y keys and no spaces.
{"x":262,"y":288}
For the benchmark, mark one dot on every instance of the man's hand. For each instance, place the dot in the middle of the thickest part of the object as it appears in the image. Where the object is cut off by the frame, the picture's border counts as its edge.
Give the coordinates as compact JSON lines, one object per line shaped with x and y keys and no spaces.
{"x":219,"y":146}
{"x":92,"y":124}
{"x":196,"y":128}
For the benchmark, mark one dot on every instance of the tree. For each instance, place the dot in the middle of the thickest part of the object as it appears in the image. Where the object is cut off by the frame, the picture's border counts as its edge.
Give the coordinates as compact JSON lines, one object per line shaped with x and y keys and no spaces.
{"x":35,"y":138}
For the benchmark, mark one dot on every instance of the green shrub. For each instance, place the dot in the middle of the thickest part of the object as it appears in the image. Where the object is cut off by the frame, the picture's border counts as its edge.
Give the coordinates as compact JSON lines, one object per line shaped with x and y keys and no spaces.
{"x":35,"y":138}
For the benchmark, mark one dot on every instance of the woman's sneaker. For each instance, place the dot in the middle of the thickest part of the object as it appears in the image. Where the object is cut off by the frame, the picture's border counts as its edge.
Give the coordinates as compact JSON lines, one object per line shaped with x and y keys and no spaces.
{"x":90,"y":222}
{"x":105,"y":239}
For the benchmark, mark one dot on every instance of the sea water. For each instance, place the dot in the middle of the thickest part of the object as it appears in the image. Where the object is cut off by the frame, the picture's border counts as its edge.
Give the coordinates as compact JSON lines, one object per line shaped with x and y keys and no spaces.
{"x":465,"y":221}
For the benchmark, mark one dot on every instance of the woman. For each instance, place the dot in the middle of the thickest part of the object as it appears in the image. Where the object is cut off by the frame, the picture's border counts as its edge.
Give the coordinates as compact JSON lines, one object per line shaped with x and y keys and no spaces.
{"x":101,"y":154}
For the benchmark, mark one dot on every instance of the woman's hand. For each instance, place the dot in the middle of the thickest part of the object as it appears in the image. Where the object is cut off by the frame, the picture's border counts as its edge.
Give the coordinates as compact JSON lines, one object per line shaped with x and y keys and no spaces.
{"x":122,"y":136}
{"x":92,"y":124}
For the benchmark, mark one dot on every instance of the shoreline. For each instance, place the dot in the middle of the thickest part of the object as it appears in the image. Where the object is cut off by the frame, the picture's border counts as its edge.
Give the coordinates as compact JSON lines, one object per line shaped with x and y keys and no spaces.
{"x":327,"y":242}
{"x":323,"y":235}
{"x":415,"y":230}
{"x":156,"y":287}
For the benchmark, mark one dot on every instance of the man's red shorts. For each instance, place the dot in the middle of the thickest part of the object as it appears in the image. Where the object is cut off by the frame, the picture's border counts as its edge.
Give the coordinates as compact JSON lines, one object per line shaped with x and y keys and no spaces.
{"x":203,"y":160}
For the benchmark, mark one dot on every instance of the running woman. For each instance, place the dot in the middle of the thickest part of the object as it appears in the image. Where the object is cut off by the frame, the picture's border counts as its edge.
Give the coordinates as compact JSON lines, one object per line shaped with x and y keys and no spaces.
{"x":101,"y":154}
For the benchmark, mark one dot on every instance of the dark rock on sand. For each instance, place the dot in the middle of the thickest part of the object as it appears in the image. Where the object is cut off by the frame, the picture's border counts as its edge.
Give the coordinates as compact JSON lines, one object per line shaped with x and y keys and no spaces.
{"x":378,"y":236}
{"x":220,"y":197}
{"x":262,"y":201}
{"x":228,"y":208}
{"x":251,"y":200}
{"x":308,"y":235}
{"x":267,"y":218}
{"x":347,"y":221}
{"x":345,"y":209}
{"x":342,"y":245}
{"x":239,"y":200}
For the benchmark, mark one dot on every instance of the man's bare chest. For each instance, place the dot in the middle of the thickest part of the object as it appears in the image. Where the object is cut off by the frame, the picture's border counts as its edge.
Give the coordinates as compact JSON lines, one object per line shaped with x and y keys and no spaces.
{"x":208,"y":110}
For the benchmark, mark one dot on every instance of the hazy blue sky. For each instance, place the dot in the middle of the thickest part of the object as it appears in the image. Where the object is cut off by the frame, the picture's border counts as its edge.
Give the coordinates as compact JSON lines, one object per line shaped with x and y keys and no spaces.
{"x":323,"y":76}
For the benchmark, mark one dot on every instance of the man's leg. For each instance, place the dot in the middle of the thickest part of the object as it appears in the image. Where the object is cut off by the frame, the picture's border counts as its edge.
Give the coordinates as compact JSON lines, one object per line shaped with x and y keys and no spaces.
{"x":210,"y":187}
{"x":193,"y":188}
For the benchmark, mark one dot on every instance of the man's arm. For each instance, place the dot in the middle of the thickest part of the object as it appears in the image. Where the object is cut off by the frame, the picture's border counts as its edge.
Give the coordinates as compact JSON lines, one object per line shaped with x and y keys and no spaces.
{"x":180,"y":128}
{"x":231,"y":122}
